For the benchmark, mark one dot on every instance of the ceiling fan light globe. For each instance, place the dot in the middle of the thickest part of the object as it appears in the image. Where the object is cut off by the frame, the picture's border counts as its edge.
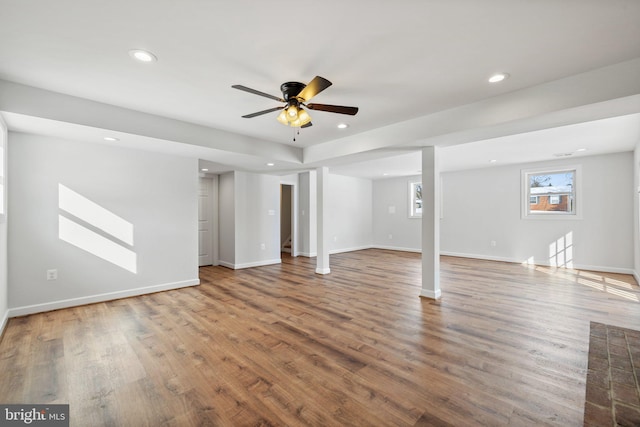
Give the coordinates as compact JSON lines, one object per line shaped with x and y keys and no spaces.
{"x":292,"y":112}
{"x":304,"y":117}
{"x":282,"y":118}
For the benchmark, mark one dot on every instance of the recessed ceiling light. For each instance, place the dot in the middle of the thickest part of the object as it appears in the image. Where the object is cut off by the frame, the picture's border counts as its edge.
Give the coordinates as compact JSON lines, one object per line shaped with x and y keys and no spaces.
{"x":492,"y":161}
{"x":142,"y":55}
{"x":343,"y":126}
{"x":580,"y":150}
{"x":385,"y":174}
{"x":270,"y":164}
{"x":204,"y":170}
{"x":110,"y":138}
{"x":498,"y":77}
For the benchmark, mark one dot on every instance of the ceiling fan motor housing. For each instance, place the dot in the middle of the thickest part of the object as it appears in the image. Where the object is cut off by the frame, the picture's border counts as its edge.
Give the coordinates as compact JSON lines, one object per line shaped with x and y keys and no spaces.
{"x":291,"y":89}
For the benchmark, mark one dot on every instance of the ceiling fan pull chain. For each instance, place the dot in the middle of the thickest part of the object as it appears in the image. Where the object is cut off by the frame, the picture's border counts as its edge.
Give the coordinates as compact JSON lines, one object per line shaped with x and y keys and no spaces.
{"x":294,"y":134}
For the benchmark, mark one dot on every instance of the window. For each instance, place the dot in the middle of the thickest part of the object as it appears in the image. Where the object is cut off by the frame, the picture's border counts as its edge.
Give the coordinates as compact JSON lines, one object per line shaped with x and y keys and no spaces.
{"x":415,"y":199}
{"x":552,"y":193}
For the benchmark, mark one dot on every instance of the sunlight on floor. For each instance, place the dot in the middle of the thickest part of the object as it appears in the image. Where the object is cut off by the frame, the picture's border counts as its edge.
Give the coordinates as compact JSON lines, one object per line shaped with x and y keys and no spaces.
{"x":593,"y":280}
{"x":560,"y":264}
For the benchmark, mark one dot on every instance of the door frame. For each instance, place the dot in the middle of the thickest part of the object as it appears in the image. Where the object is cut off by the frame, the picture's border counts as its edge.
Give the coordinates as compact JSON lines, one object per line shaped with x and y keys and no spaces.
{"x":294,"y":214}
{"x":212,"y":194}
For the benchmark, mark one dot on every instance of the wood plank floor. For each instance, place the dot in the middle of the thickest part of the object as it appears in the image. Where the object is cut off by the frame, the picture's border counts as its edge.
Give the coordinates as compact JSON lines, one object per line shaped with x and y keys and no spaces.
{"x":506,"y":345}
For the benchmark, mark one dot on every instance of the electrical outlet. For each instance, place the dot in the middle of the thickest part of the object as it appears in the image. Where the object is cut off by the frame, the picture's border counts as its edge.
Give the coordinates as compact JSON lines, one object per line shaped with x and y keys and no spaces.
{"x":493,"y":243}
{"x":390,"y":236}
{"x":263,"y":246}
{"x":52,"y":274}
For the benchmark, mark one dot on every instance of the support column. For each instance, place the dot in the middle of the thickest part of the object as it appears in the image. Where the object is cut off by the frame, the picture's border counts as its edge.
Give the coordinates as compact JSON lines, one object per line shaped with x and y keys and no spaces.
{"x":322,"y":260}
{"x":430,"y":224}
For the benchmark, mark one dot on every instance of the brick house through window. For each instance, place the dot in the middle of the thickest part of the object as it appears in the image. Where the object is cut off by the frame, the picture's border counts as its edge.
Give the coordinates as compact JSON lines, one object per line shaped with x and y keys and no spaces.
{"x":550,"y":199}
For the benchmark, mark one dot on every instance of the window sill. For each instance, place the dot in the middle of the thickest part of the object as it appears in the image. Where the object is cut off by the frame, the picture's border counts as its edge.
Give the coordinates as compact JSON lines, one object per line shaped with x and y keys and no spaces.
{"x":554,"y":216}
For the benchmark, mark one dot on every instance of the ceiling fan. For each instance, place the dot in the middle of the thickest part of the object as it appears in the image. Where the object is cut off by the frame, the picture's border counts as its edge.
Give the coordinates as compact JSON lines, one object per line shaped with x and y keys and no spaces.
{"x":295,"y":95}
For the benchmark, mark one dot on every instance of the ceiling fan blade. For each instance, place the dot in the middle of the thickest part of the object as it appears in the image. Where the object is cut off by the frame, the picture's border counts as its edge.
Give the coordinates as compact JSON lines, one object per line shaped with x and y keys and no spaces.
{"x":259,"y":113}
{"x":341,"y":109}
{"x":315,"y":86}
{"x":257,"y":92}
{"x":308,"y":125}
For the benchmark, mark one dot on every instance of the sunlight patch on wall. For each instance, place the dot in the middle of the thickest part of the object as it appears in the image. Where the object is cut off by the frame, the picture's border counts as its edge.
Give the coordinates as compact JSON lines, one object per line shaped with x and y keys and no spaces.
{"x":109,"y":246}
{"x":94,"y":214}
{"x":561,"y":251}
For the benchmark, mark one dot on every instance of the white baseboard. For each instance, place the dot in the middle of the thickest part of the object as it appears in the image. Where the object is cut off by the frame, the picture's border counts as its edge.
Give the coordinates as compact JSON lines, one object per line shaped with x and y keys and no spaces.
{"x":226,"y":264}
{"x":603,"y":269}
{"x":342,"y":250}
{"x":73,"y":302}
{"x":431,"y":294}
{"x":3,"y":323}
{"x":336,"y":251}
{"x":250,"y":264}
{"x":397,"y":248}
{"x":477,"y":256}
{"x":323,"y":270}
{"x":636,"y":276}
{"x":308,"y":254}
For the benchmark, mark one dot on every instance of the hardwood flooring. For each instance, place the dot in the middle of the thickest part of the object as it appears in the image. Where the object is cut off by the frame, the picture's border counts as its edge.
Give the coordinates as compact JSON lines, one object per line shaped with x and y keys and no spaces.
{"x":279,"y":345}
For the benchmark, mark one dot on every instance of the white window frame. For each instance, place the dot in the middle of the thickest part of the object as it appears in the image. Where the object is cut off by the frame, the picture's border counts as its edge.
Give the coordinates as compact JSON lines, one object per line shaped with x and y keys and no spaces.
{"x":534,"y":197}
{"x":555,"y":197}
{"x":412,"y":200}
{"x":551,"y":215}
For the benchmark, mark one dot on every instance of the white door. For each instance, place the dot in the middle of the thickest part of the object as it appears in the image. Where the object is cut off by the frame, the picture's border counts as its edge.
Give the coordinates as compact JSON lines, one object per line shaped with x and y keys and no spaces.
{"x":205,"y":225}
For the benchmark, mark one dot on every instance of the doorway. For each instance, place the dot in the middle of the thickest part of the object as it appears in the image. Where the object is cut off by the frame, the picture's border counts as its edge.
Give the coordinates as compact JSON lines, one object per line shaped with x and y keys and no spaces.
{"x":208,"y":221}
{"x":287,"y":219}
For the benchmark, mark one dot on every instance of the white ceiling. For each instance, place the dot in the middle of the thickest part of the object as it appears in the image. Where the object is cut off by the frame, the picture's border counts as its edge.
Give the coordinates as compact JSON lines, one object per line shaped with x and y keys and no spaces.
{"x":582,"y":139}
{"x":397,"y":61}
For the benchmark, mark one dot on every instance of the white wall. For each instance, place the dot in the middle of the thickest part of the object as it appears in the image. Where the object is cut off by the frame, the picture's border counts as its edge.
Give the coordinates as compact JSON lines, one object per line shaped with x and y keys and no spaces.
{"x":249,"y":212}
{"x":156,"y":193}
{"x":391,"y":215}
{"x":349,"y":204}
{"x":4,"y":307}
{"x":249,"y":219}
{"x":257,"y":205}
{"x":483,"y":205}
{"x":636,"y":211}
{"x":350,"y":220}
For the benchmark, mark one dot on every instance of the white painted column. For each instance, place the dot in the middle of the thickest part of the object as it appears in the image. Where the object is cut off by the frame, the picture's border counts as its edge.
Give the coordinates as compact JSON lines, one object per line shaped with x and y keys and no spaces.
{"x":430,"y":224}
{"x":322,"y":260}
